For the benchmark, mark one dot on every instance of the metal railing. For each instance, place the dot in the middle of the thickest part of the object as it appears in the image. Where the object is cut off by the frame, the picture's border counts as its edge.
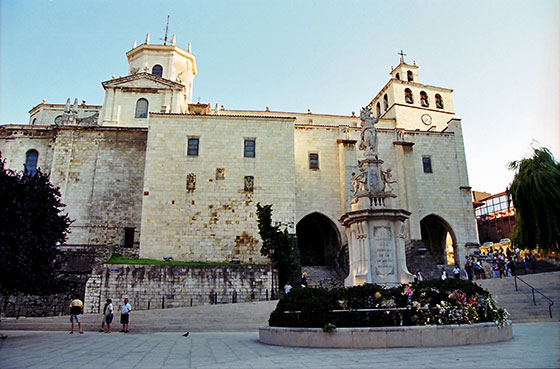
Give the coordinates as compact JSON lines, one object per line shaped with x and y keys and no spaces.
{"x":533,"y":290}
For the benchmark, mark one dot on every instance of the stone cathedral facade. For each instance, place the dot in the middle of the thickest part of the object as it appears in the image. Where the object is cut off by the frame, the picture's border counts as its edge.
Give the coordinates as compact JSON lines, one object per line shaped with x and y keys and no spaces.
{"x":151,"y":172}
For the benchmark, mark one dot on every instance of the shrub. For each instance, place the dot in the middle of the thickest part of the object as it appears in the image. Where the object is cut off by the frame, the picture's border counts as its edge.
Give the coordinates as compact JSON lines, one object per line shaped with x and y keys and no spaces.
{"x":432,"y":302}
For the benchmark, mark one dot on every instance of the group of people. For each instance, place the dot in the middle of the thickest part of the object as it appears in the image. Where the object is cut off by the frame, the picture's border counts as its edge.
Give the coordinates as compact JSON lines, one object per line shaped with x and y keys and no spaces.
{"x":302,"y":282}
{"x":77,"y":310}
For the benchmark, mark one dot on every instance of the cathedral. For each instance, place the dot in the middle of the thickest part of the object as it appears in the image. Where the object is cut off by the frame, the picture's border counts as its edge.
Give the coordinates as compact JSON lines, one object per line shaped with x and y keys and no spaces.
{"x":152,"y":174}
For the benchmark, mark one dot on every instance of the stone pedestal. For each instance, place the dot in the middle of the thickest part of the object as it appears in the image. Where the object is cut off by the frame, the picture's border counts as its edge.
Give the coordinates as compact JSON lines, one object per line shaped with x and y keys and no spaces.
{"x":376,"y":245}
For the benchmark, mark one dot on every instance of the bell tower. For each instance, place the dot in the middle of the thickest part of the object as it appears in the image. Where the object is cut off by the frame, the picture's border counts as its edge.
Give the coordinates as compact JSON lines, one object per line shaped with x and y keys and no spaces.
{"x":405,"y":103}
{"x":167,"y":61}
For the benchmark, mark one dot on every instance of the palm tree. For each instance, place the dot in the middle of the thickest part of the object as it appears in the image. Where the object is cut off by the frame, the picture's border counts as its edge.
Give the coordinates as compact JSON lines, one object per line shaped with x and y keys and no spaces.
{"x":535,"y":192}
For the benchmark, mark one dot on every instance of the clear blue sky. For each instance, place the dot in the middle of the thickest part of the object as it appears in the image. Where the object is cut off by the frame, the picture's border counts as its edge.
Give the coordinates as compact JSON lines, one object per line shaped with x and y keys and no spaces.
{"x":501,"y":58}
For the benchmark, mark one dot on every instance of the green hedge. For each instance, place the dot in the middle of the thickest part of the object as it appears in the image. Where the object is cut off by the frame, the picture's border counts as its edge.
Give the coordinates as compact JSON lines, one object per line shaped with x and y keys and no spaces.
{"x":433,"y":302}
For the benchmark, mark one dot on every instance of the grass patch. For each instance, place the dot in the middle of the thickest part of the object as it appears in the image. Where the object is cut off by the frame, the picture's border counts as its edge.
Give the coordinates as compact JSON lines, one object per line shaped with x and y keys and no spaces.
{"x":119,"y":259}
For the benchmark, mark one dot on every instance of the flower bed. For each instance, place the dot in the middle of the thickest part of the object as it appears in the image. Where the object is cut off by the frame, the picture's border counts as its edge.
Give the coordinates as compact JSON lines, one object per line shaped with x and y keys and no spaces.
{"x":434,"y":302}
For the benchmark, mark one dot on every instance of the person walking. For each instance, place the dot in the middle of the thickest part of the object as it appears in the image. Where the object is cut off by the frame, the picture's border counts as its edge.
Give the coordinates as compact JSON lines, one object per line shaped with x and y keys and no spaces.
{"x":76,"y":311}
{"x":102,"y":329}
{"x":125,"y":316}
{"x":443,"y":274}
{"x":108,"y":314}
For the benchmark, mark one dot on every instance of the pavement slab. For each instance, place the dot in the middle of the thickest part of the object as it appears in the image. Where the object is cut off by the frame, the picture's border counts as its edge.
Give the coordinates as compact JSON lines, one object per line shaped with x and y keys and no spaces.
{"x":535,"y":345}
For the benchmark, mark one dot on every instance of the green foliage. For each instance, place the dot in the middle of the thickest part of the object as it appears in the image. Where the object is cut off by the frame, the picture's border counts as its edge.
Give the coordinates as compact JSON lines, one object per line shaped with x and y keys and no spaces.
{"x":423,"y":303}
{"x":118,"y":259}
{"x":31,"y":227}
{"x":535,"y":192}
{"x":276,"y":244}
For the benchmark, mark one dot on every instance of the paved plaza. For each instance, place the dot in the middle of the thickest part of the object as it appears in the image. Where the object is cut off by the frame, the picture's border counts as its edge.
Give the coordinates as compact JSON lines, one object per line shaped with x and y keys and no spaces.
{"x":535,"y":345}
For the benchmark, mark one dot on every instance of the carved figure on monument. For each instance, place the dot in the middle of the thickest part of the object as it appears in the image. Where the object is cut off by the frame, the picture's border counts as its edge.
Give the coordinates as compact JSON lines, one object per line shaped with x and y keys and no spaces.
{"x":368,"y":137}
{"x":387,"y":178}
{"x":134,"y":70}
{"x":359,"y":181}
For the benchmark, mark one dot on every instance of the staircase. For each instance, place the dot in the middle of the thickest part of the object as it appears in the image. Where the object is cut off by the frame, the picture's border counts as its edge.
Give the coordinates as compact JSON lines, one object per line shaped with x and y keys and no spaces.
{"x":519,"y":303}
{"x":322,"y":276}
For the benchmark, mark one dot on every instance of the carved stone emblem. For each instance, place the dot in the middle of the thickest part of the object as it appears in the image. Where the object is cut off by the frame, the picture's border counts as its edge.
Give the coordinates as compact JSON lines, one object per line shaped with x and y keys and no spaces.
{"x":220,"y":173}
{"x":249,"y":183}
{"x":191,"y":182}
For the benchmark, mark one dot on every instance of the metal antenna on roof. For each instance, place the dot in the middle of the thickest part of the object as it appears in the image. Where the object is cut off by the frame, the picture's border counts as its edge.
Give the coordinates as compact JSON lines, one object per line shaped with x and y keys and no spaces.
{"x":166,"y":28}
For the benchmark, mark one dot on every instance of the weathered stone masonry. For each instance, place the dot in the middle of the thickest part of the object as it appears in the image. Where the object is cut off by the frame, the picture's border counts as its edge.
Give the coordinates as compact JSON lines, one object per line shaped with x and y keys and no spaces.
{"x":166,"y":286}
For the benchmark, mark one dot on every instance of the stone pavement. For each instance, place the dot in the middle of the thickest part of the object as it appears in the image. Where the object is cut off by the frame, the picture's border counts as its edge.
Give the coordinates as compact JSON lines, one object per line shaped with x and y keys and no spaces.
{"x":535,"y":345}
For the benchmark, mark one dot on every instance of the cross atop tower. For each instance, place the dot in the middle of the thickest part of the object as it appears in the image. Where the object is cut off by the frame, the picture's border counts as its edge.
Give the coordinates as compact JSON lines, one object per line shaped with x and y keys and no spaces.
{"x":402,"y":56}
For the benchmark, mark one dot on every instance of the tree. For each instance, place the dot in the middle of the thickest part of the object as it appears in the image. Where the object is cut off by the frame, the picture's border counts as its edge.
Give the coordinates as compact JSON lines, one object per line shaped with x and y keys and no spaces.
{"x":535,"y":192}
{"x":276,"y":244}
{"x":31,"y":226}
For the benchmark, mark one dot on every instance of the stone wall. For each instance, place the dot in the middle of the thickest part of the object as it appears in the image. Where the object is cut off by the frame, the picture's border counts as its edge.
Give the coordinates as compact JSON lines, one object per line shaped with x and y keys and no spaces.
{"x":166,"y":286}
{"x":33,"y":305}
{"x":215,"y":220}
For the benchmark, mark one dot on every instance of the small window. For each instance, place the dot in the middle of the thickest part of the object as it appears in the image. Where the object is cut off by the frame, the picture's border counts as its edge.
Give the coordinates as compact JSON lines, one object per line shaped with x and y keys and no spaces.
{"x":128,"y":237}
{"x":34,"y":121}
{"x":408,"y":96}
{"x":439,"y":101}
{"x":313,"y":161}
{"x":385,"y":102}
{"x":157,"y":70}
{"x":141,"y":109}
{"x":398,"y":76}
{"x":409,"y":76}
{"x":30,"y":166}
{"x":249,"y":148}
{"x":424,"y":99}
{"x":192,"y":149}
{"x":378,"y":109}
{"x":427,"y":164}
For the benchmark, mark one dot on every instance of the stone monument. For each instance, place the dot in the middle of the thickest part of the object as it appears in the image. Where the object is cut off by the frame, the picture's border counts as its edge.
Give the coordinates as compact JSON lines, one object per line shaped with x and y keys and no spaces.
{"x":375,"y":229}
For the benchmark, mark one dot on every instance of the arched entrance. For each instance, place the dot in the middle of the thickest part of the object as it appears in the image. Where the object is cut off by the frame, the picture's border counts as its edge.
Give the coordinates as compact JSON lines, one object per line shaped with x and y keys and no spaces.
{"x":318,"y":241}
{"x":439,"y":239}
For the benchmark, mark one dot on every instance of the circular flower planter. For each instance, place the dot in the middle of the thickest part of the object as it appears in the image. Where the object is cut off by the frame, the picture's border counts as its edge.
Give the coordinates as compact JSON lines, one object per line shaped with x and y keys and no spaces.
{"x":387,"y":337}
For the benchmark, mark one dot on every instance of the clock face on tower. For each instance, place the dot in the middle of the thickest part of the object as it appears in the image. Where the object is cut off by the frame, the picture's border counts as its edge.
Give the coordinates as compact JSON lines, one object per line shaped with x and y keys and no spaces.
{"x":426,"y":119}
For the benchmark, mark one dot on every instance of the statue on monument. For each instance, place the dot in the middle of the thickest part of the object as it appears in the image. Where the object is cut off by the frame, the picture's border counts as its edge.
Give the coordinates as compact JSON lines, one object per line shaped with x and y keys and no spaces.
{"x":359,"y":181}
{"x":387,"y":178}
{"x":368,"y":137}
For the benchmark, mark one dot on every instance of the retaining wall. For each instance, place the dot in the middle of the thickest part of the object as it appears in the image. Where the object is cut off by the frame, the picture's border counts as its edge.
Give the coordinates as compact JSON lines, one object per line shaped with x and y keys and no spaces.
{"x":165,"y":286}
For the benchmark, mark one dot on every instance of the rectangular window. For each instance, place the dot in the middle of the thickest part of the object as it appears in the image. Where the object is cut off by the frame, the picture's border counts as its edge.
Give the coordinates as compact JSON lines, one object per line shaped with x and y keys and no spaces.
{"x":249,"y":148}
{"x":313,"y":161}
{"x":128,"y":237}
{"x":192,"y":149}
{"x":427,"y":164}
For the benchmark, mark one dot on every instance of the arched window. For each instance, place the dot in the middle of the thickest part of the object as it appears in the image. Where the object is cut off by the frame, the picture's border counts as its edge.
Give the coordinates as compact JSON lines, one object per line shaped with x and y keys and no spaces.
{"x":385,"y":102}
{"x":31,"y":158}
{"x":409,"y":76}
{"x":378,"y":109}
{"x":424,"y":99}
{"x":439,"y":101}
{"x":141,"y":109}
{"x":34,"y":121}
{"x":408,"y":96}
{"x":398,"y":76}
{"x":157,"y":70}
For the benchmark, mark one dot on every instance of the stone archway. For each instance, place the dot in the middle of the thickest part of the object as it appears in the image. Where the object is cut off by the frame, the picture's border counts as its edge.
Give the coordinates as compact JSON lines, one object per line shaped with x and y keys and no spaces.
{"x":318,"y":241}
{"x":435,"y":232}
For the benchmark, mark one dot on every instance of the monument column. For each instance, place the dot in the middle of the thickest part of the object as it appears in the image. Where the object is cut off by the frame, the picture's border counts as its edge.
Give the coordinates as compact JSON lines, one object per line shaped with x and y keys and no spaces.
{"x":375,"y":229}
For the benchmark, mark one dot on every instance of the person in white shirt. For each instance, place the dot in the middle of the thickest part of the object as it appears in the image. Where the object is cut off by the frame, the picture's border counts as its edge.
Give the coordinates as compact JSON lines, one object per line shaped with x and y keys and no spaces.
{"x":125,"y":316}
{"x":287,"y":287}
